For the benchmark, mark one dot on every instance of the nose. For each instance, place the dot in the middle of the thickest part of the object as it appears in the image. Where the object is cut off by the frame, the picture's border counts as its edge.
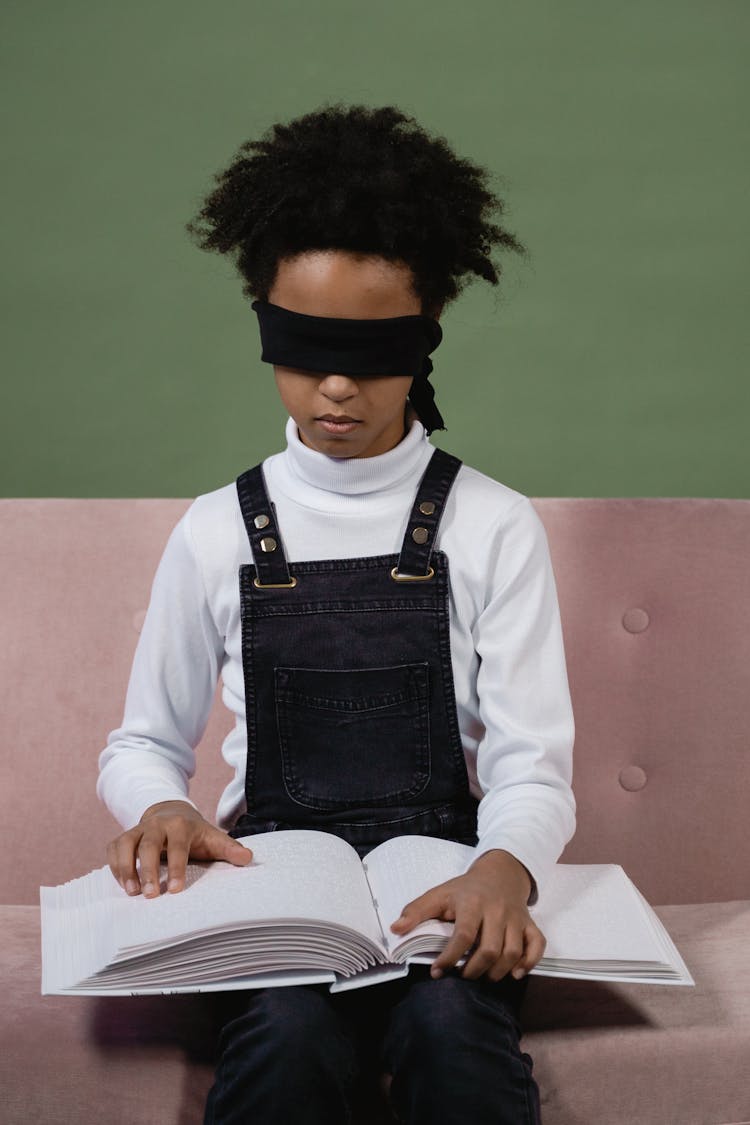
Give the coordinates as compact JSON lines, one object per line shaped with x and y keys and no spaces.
{"x":338,"y":388}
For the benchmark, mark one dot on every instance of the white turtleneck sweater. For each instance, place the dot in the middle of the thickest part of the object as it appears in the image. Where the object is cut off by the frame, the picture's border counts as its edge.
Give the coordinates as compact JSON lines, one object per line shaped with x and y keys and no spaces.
{"x":511,"y":685}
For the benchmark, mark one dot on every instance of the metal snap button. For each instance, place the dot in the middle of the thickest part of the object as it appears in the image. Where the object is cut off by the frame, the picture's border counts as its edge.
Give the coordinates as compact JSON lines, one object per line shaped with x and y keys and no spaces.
{"x":427,"y":507}
{"x":268,"y":544}
{"x":420,"y":534}
{"x":261,"y":521}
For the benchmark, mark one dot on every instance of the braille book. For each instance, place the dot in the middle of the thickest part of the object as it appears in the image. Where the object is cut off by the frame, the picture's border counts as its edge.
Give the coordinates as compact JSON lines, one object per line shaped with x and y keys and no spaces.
{"x":308,"y":910}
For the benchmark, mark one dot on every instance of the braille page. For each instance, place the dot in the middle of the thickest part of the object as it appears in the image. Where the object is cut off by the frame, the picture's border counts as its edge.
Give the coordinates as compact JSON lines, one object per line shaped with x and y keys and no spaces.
{"x":404,"y":868}
{"x":591,"y":912}
{"x":597,"y":923}
{"x":294,"y":875}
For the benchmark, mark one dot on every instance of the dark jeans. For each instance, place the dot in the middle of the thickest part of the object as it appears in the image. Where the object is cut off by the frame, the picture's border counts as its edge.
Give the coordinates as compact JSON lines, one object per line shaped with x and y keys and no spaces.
{"x":303,"y":1055}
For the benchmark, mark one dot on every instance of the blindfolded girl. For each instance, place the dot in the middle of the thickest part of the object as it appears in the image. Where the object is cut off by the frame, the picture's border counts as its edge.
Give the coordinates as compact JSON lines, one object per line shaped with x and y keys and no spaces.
{"x":360,"y":562}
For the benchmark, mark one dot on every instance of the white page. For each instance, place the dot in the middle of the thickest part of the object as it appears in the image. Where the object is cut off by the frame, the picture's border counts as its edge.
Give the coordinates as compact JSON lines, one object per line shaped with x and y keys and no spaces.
{"x":404,"y":868}
{"x":587,"y":912}
{"x":76,"y":939}
{"x":672,"y":953}
{"x":295,"y":875}
{"x":260,"y":980}
{"x":591,"y":912}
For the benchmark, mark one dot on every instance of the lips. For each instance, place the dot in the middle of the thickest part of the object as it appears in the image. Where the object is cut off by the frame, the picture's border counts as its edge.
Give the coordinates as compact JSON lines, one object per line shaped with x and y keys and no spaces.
{"x":337,"y":423}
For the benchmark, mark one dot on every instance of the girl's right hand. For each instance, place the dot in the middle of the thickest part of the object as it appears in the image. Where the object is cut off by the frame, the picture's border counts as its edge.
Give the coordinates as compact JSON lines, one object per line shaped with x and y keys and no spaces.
{"x":178,"y":829}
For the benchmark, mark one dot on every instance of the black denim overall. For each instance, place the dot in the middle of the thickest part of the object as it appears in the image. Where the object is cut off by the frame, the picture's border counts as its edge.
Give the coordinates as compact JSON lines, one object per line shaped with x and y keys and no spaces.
{"x":352,"y":729}
{"x":351,"y":713}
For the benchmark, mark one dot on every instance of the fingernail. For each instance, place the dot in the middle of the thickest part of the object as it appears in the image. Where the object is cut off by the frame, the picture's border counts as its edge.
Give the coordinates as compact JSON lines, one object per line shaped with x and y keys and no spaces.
{"x":436,"y":973}
{"x":173,"y":885}
{"x":148,"y":888}
{"x":518,"y":973}
{"x":131,"y":887}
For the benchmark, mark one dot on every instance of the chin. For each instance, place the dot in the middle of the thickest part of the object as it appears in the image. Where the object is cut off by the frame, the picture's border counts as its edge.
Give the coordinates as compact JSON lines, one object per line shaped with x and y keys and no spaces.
{"x":332,"y":446}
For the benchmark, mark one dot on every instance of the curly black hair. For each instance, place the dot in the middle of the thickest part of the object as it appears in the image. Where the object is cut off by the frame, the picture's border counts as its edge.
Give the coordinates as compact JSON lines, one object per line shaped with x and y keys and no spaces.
{"x":357,"y":178}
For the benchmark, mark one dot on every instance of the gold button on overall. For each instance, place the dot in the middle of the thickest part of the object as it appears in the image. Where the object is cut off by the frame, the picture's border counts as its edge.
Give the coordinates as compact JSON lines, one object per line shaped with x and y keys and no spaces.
{"x":427,"y":507}
{"x":261,"y":521}
{"x":268,"y":544}
{"x":420,"y":534}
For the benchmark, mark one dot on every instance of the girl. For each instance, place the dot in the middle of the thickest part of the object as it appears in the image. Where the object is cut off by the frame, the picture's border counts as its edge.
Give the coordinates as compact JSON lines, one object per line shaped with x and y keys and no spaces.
{"x":392,"y":650}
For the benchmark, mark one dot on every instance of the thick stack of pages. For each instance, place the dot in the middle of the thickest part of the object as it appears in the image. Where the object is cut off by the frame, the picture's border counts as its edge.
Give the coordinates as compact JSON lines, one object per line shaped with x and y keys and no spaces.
{"x":307,"y":910}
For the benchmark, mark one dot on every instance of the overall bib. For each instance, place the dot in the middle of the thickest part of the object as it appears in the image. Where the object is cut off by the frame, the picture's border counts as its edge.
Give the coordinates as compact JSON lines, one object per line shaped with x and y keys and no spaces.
{"x":351,"y":714}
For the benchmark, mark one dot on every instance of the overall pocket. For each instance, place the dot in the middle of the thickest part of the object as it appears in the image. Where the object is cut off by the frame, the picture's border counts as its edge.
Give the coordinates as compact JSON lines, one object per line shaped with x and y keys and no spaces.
{"x":353,"y":736}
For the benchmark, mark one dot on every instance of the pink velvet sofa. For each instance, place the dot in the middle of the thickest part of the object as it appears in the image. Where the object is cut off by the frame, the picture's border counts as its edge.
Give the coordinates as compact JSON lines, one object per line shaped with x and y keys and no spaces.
{"x":655,"y":601}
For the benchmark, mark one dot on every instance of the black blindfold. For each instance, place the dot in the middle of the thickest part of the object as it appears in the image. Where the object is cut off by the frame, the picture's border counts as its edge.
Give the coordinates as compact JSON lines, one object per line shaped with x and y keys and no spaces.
{"x":397,"y":345}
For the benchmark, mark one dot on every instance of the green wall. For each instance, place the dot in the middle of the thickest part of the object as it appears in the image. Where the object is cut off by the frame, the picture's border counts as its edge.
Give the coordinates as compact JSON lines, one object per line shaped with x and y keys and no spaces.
{"x":612,"y":363}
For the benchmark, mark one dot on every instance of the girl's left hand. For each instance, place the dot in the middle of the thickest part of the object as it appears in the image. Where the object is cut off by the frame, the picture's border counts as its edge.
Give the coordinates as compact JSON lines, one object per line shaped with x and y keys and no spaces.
{"x":491,"y":919}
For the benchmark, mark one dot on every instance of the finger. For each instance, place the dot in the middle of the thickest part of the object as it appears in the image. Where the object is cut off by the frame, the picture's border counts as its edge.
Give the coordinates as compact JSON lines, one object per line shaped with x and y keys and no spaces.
{"x":121,"y":854}
{"x":512,"y":951}
{"x":489,"y":948}
{"x":235,"y":852}
{"x":432,"y":904}
{"x":178,"y":849}
{"x":149,"y":854}
{"x":215,"y":844}
{"x":201,"y":842}
{"x":463,"y":937}
{"x":536,"y":943}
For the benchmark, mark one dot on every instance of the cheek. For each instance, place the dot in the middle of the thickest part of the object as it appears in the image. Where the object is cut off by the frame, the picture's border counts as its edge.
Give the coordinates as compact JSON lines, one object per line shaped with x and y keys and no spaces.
{"x":394,"y":396}
{"x":294,"y":390}
{"x":388,"y":390}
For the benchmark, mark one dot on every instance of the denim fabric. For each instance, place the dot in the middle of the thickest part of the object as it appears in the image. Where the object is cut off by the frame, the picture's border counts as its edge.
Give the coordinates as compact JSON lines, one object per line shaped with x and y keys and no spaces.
{"x":304,"y":1055}
{"x":383,"y":712}
{"x":350,"y":706}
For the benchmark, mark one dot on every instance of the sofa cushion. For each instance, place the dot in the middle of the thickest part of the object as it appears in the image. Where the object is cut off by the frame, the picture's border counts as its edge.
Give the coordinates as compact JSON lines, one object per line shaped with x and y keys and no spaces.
{"x":606,"y":1053}
{"x":67,"y":1059}
{"x":637,"y":1054}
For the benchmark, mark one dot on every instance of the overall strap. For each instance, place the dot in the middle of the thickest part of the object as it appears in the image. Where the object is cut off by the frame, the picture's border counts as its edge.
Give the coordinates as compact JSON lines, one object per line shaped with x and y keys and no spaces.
{"x":421,"y":530}
{"x":259,"y":515}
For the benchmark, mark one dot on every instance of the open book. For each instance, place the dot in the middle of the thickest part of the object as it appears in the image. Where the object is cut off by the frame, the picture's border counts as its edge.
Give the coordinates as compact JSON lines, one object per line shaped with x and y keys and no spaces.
{"x":308,"y":910}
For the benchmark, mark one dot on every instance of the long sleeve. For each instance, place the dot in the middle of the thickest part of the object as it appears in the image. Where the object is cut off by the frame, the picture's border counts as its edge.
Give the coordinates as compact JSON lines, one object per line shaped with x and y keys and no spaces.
{"x":524,"y":760}
{"x":150,"y":757}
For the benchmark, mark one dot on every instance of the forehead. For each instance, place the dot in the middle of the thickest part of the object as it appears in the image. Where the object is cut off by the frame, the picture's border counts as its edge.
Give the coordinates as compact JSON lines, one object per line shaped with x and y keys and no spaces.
{"x":341,"y":283}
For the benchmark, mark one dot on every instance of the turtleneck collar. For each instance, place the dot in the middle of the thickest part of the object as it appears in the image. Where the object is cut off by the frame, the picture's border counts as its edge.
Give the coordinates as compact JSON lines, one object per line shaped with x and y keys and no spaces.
{"x":357,"y":475}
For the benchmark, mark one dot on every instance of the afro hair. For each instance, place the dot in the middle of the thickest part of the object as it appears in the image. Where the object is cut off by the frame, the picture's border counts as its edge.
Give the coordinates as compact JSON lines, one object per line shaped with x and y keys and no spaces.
{"x":357,"y":178}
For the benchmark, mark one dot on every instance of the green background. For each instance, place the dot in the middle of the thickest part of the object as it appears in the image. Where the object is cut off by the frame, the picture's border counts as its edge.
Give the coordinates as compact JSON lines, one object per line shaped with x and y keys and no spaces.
{"x":612,"y":363}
